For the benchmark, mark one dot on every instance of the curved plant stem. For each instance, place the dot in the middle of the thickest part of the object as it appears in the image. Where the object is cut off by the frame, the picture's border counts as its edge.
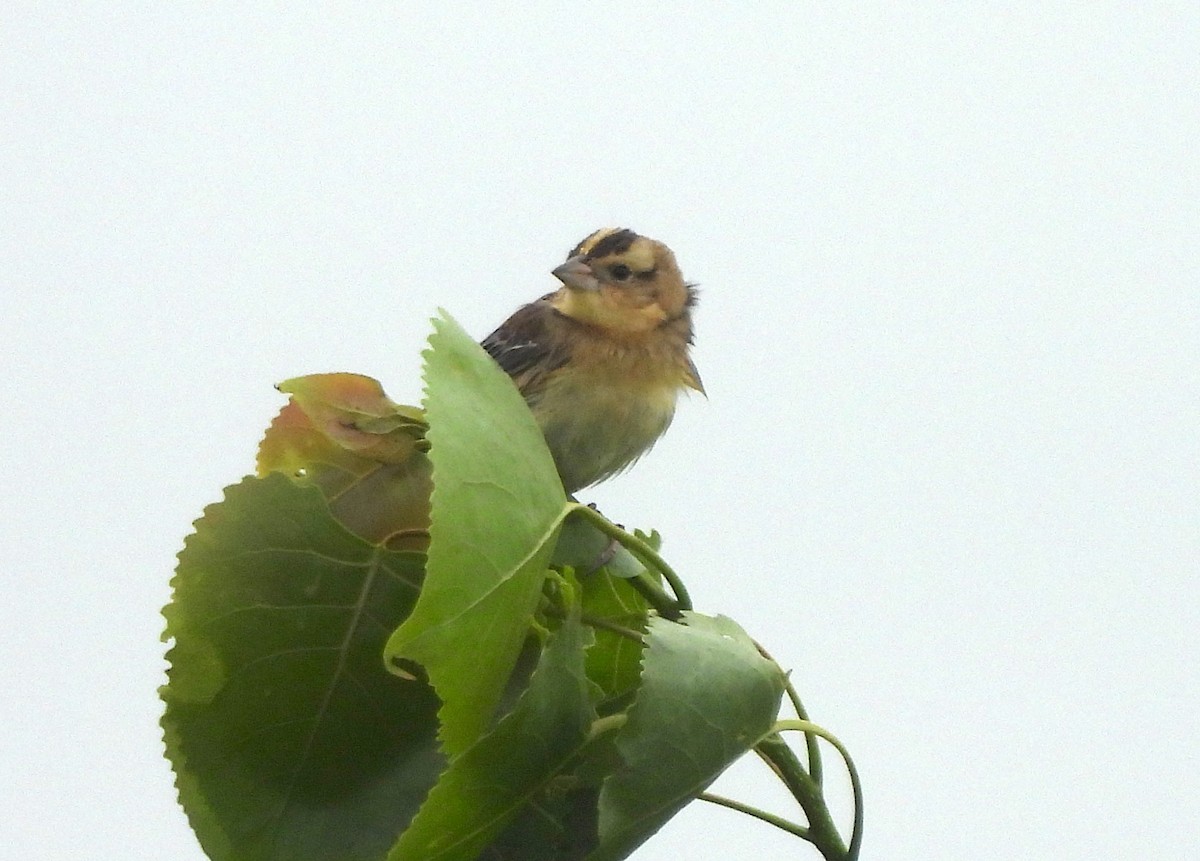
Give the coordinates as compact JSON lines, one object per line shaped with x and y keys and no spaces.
{"x":608,"y":724}
{"x":598,"y":622}
{"x":663,"y":604}
{"x":822,"y":832}
{"x":769,"y":818}
{"x":810,"y":739}
{"x":606,"y":625}
{"x":649,"y":557}
{"x":806,"y":726}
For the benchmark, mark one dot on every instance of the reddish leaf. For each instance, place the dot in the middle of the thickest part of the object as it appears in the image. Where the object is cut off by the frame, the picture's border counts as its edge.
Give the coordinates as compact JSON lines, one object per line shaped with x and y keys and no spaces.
{"x":365,"y":452}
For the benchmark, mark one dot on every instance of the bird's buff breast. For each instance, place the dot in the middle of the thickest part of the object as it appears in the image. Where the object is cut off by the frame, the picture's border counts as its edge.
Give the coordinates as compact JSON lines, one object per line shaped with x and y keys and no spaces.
{"x":597,"y":427}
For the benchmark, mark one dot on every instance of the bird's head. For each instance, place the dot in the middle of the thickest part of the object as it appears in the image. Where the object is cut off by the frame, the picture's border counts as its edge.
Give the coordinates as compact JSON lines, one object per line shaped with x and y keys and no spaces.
{"x":623,"y":283}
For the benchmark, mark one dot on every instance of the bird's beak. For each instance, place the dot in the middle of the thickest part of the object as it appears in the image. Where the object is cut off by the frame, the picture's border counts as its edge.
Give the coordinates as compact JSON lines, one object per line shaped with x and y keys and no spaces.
{"x":577,"y":275}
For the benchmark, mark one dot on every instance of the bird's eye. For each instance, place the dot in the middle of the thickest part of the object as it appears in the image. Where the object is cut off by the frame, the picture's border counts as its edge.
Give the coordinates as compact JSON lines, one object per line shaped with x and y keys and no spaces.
{"x":620,"y":272}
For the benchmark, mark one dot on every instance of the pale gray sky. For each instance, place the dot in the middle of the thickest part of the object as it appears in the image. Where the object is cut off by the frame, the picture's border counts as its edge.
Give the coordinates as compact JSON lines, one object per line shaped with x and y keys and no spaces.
{"x":949,"y":327}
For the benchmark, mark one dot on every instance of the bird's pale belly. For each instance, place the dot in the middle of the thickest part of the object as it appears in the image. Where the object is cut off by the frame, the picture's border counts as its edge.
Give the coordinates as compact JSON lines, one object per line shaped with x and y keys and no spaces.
{"x":596,"y":429}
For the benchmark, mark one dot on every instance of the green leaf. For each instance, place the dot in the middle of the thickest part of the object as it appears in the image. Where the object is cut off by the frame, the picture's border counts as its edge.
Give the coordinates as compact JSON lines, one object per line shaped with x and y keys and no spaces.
{"x":706,"y":697}
{"x":603,"y":569}
{"x":489,"y":784}
{"x":289,"y":739}
{"x":559,"y":824}
{"x":496,"y":511}
{"x":614,"y":662}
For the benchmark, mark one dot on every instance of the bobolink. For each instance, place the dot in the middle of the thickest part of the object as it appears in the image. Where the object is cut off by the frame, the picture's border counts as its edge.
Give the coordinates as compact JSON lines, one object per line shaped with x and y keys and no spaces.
{"x":602,"y":360}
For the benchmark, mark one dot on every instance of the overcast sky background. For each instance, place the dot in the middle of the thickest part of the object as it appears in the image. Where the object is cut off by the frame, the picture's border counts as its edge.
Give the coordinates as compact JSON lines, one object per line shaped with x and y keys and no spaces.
{"x":948,"y":466}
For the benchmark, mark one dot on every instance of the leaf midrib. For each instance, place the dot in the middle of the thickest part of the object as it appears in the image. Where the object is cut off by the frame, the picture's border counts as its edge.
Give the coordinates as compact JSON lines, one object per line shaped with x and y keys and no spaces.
{"x":372,"y":566}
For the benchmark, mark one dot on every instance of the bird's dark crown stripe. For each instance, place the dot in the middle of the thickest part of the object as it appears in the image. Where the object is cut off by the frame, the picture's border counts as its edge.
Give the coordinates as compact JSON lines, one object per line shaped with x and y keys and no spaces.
{"x":605,"y":242}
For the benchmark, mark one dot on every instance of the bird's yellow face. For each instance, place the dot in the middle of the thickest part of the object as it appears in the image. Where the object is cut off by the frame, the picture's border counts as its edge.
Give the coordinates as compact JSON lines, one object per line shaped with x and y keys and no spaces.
{"x":622,"y":283}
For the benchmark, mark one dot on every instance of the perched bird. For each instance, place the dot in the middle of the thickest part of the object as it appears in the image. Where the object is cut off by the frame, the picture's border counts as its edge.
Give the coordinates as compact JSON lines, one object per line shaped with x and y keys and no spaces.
{"x":602,"y":360}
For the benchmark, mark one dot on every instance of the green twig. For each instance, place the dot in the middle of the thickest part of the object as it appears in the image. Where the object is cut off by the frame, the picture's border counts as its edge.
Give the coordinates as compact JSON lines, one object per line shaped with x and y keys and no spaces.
{"x":769,"y":818}
{"x":606,"y":625}
{"x":806,"y":726}
{"x":810,"y":739}
{"x":648,"y":557}
{"x":822,"y":832}
{"x":607,"y":724}
{"x":655,"y":596}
